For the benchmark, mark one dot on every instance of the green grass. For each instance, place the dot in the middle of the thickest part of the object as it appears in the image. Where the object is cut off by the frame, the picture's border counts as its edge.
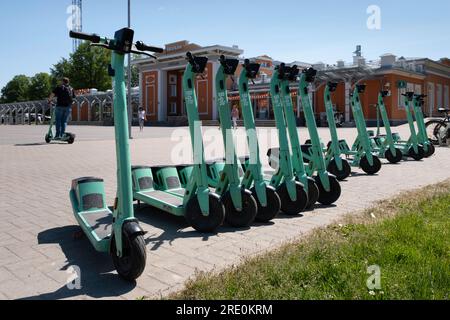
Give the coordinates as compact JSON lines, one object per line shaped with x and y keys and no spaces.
{"x":407,"y":237}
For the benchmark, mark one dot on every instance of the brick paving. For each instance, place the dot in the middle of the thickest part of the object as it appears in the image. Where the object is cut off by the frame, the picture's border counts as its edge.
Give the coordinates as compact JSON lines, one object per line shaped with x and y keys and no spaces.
{"x":37,"y":227}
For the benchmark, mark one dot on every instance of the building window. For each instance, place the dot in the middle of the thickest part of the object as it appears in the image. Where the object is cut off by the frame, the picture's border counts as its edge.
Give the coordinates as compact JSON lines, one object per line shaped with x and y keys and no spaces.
{"x":401,"y":98}
{"x":173,"y":108}
{"x":173,"y":91}
{"x":418,"y":89}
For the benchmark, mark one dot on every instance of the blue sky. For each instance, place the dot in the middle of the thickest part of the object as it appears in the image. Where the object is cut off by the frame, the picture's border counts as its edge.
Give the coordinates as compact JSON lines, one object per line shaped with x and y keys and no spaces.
{"x":34,"y":33}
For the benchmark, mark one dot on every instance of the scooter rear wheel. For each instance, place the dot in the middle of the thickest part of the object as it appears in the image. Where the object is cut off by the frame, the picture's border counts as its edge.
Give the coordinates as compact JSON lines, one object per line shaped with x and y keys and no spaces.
{"x":71,"y":139}
{"x":205,"y":224}
{"x":244,"y":217}
{"x":394,"y":159}
{"x":268,"y":213}
{"x":417,"y":156}
{"x":313,"y":193}
{"x":132,"y":263}
{"x":329,"y":197}
{"x":290,"y":207}
{"x":367,"y":168}
{"x":340,"y":174}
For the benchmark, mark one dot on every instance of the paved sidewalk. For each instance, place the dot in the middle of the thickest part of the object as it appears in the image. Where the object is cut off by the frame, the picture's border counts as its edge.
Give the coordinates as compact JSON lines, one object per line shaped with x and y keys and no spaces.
{"x":37,"y":226}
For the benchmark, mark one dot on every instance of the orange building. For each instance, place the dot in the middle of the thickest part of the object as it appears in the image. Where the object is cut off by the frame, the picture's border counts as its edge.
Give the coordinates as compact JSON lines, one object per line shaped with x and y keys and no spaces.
{"x":161,"y":84}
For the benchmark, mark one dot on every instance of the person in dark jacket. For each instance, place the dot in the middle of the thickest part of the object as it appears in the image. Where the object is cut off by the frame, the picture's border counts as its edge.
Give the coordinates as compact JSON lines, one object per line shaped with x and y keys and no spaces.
{"x":64,"y":94}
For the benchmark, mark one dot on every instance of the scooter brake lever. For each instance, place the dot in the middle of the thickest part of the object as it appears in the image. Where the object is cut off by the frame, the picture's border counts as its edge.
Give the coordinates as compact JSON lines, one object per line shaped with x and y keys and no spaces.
{"x":253,"y":82}
{"x":144,"y":53}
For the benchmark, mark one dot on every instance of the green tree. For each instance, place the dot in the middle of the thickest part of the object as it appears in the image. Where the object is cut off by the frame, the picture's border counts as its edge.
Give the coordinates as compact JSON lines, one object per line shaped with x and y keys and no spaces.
{"x":89,"y":68}
{"x":60,"y":70}
{"x":16,"y":90}
{"x":40,"y":86}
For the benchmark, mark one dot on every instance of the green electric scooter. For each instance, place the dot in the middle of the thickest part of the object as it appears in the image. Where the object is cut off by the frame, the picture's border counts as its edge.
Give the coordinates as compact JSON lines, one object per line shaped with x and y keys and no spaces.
{"x":323,"y":188}
{"x":336,"y":164}
{"x":384,"y":145}
{"x":49,"y":137}
{"x":240,"y":206}
{"x":201,"y":207}
{"x":287,"y":164}
{"x":293,"y":196}
{"x":229,"y":176}
{"x":418,"y":103}
{"x":117,"y":233}
{"x":329,"y":187}
{"x":361,"y":154}
{"x":411,"y":147}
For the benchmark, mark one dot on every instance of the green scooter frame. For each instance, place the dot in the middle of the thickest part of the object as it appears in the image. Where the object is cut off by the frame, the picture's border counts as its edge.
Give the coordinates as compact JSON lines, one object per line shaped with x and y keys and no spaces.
{"x":234,"y":190}
{"x":296,"y":190}
{"x":333,"y":154}
{"x":412,"y":147}
{"x":285,"y":119}
{"x":202,"y":208}
{"x":384,"y":145}
{"x":49,"y":137}
{"x":362,"y":153}
{"x":418,"y":103}
{"x":328,"y":184}
{"x":117,"y":232}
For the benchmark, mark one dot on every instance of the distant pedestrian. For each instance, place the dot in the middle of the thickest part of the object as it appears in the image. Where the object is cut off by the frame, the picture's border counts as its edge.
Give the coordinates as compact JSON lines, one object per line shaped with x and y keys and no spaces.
{"x":142,"y":118}
{"x":235,"y":116}
{"x":64,"y":94}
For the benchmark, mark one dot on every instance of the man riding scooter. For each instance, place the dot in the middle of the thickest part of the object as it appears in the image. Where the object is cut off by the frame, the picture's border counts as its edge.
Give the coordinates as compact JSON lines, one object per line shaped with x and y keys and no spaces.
{"x":64,"y":94}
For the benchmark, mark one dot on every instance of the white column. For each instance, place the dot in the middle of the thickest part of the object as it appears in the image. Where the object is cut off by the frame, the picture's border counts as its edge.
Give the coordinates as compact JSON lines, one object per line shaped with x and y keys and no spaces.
{"x":162,"y":95}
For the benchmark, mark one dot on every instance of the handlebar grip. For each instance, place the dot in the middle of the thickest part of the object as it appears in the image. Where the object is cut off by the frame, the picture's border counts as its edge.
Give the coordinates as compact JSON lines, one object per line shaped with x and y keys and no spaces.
{"x":85,"y":36}
{"x":141,"y":46}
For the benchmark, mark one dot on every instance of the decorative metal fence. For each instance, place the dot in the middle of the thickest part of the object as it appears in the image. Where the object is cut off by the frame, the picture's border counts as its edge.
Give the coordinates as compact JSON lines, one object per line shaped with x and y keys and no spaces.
{"x":91,"y":109}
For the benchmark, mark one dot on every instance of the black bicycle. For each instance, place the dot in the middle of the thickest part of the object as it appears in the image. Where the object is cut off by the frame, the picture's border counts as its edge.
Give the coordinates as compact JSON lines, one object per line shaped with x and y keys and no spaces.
{"x":438,"y":130}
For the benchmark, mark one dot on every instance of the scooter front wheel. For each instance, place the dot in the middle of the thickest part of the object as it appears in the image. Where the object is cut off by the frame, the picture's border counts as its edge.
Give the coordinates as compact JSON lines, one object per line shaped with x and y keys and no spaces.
{"x":240,"y":218}
{"x":202,"y":223}
{"x":394,"y":159}
{"x":269,"y":212}
{"x":47,"y":139}
{"x":431,"y":150}
{"x":370,"y":169}
{"x":329,"y":197}
{"x":313,"y":193}
{"x":132,"y":263}
{"x":340,"y":174}
{"x":417,"y":156}
{"x":290,"y":207}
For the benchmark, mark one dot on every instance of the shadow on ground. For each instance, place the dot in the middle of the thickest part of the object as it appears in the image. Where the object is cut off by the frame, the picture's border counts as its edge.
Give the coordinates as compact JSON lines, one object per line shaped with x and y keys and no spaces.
{"x":97,"y":277}
{"x":173,"y":228}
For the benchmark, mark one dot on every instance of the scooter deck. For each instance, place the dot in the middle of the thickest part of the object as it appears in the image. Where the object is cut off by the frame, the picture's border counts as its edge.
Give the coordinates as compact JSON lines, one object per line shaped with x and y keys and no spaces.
{"x":100,"y":222}
{"x":160,"y":196}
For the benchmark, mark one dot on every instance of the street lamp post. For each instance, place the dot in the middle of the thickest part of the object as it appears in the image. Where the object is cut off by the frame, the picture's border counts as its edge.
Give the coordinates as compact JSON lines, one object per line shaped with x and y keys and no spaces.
{"x":130,"y":105}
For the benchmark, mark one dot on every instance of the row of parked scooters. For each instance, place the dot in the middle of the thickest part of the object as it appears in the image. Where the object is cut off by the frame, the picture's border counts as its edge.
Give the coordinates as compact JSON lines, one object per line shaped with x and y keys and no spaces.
{"x":232,"y":190}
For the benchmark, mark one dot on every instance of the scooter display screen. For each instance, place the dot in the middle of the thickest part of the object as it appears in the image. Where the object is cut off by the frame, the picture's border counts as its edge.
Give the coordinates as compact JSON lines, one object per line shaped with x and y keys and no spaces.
{"x":124,"y":40}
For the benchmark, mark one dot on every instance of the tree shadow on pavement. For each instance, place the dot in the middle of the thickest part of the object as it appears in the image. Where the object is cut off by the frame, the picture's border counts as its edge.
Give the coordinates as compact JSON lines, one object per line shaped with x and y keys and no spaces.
{"x":97,"y":277}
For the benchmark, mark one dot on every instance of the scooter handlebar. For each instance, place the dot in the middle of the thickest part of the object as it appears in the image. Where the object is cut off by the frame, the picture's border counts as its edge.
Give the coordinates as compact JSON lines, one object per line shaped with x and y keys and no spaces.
{"x":141,"y":46}
{"x":85,"y":36}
